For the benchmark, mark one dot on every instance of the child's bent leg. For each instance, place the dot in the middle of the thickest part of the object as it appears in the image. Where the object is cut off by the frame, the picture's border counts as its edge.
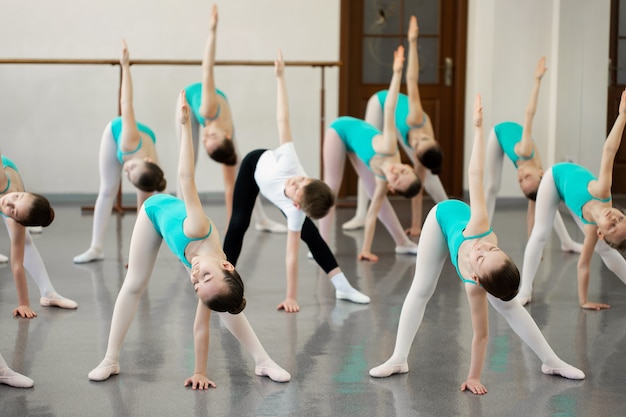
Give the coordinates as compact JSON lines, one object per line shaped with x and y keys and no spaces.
{"x":493,"y":172}
{"x":522,"y":323}
{"x":431,"y":253}
{"x":144,"y":247}
{"x":238,"y":326}
{"x":110,"y":175}
{"x":545,"y":208}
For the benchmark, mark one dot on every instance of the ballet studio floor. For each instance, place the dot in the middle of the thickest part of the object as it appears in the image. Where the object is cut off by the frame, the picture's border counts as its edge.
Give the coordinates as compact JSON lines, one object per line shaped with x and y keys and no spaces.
{"x":328,"y":347}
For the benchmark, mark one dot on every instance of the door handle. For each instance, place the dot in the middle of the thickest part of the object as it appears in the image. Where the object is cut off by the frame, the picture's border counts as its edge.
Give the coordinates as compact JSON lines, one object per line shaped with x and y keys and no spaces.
{"x":448,"y":71}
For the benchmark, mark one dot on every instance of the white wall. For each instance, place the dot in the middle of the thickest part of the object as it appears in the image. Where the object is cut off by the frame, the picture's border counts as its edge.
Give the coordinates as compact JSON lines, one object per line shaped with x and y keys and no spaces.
{"x":52,"y":116}
{"x":506,"y":39}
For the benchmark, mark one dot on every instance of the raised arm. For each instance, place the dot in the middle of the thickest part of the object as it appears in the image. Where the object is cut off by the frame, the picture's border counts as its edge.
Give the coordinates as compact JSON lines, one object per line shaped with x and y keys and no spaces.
{"x":389,"y":144}
{"x":130,"y":133}
{"x":416,"y":112}
{"x":282,"y":105}
{"x":209,"y":99}
{"x":526,"y":145}
{"x":479,"y":219}
{"x":602,"y":188}
{"x":196,"y":224}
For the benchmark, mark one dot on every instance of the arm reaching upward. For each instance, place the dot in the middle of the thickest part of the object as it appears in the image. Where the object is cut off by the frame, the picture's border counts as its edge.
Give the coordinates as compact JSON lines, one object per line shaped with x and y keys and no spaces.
{"x":196,"y":223}
{"x":526,"y":145}
{"x":602,"y":188}
{"x":282,"y":105}
{"x":209,"y":100}
{"x":416,"y":112}
{"x":389,"y":144}
{"x":479,"y":219}
{"x":130,"y":132}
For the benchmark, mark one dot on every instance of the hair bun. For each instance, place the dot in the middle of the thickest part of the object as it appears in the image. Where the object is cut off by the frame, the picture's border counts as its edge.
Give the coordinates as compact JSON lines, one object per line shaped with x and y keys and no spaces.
{"x":240,"y":308}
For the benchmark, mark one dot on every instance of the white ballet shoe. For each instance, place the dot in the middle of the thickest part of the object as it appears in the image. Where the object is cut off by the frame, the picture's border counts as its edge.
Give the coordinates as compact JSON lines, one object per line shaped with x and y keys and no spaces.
{"x":270,"y":226}
{"x":3,"y":259}
{"x":104,"y":371}
{"x":275,"y":373}
{"x":15,"y":379}
{"x":384,"y":370}
{"x":355,"y":223}
{"x":90,"y":255}
{"x":55,"y":300}
{"x":35,"y":229}
{"x":352,"y":295}
{"x":571,"y":247}
{"x":567,"y":371}
{"x":406,"y":249}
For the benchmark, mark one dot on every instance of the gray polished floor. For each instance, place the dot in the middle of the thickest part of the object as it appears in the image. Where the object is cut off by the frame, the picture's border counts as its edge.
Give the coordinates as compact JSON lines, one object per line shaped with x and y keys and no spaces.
{"x":328,"y":347}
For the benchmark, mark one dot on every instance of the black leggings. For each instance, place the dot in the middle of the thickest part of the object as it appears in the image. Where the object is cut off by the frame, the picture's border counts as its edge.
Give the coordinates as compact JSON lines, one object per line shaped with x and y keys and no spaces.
{"x":245,"y":194}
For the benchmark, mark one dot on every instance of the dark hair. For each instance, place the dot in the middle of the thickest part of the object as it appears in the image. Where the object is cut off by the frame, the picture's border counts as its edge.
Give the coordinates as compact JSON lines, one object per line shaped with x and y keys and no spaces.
{"x":502,"y":283}
{"x":232,"y":300}
{"x":412,"y":190}
{"x":40,"y":213}
{"x":532,"y":195}
{"x":317,"y":199}
{"x":432,"y":158}
{"x":151,"y":178}
{"x":225,"y":153}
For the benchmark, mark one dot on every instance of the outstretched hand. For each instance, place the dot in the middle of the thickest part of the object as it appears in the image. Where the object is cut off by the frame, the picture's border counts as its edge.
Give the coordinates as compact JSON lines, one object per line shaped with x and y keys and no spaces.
{"x":213,"y":18}
{"x":125,"y":58}
{"x":183,"y":111}
{"x":279,"y":64}
{"x":413,"y":29}
{"x":199,"y":381}
{"x":478,"y":111}
{"x":398,"y":59}
{"x":24,"y":312}
{"x":541,"y":68}
{"x":290,"y":305}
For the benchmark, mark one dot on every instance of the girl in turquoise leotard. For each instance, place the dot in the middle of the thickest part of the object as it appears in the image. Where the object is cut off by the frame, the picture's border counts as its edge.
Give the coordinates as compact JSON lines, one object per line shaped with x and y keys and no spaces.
{"x":589,"y":201}
{"x":126,"y":147}
{"x":196,"y":242}
{"x":212,"y":122}
{"x":373,"y":151}
{"x":452,"y":227}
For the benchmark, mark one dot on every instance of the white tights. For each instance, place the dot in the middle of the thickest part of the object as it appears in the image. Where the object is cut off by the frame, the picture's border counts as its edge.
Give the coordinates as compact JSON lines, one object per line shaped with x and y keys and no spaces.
{"x":432,"y":252}
{"x":494,"y":159}
{"x":144,"y":247}
{"x":548,"y":200}
{"x":335,"y":153}
{"x":34,"y":264}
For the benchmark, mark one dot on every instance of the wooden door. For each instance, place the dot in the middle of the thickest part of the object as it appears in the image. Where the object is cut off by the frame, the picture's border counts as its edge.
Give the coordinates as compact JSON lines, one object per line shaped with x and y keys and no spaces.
{"x":617,"y":82}
{"x":370,"y":31}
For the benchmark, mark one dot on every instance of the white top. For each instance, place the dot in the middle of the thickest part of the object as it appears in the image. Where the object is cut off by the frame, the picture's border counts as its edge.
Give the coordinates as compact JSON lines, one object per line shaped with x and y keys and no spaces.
{"x":273,"y":169}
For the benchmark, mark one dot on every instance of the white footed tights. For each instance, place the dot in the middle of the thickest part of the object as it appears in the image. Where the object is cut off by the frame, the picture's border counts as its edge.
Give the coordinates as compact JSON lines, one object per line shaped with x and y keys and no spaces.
{"x":12,"y":378}
{"x":431,"y":255}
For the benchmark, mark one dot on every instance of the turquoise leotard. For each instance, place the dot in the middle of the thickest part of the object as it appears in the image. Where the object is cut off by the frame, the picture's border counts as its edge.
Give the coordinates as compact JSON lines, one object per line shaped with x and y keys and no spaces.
{"x":509,"y":134}
{"x":193,"y":93}
{"x":452,"y":216}
{"x":357,"y":135}
{"x":8,"y":164}
{"x":116,"y":130}
{"x":167,"y":214}
{"x":571,"y":182}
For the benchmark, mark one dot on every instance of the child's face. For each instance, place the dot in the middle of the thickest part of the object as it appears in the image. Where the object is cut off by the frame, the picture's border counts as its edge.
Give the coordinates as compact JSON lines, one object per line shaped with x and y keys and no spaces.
{"x":400,"y":176}
{"x":485,"y":257}
{"x":294,"y":188}
{"x":528,"y":178}
{"x":16,"y":205}
{"x":612,"y":224}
